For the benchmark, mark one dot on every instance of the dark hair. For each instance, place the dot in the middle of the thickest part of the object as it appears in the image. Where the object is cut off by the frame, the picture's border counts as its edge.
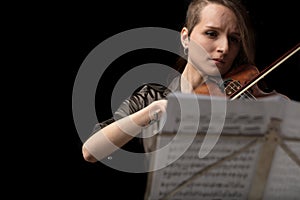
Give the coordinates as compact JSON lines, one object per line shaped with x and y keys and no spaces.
{"x":247,"y":52}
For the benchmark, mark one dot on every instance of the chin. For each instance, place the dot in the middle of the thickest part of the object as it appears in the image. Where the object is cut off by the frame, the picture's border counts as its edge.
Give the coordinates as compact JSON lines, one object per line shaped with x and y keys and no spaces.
{"x":215,"y":72}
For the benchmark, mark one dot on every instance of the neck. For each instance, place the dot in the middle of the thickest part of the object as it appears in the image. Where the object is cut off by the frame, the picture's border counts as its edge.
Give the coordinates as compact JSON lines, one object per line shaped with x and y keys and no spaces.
{"x":191,"y":78}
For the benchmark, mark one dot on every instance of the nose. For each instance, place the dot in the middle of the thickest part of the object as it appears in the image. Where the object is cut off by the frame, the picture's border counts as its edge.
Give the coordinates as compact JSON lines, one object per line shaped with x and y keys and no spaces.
{"x":223,"y":45}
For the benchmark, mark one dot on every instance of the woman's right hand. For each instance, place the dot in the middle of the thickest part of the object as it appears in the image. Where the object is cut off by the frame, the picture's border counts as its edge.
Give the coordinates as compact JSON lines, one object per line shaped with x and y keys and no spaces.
{"x":156,"y":109}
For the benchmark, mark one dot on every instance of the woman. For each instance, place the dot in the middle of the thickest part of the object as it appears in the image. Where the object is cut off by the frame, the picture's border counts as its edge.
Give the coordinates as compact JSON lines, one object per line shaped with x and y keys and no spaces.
{"x":217,"y":40}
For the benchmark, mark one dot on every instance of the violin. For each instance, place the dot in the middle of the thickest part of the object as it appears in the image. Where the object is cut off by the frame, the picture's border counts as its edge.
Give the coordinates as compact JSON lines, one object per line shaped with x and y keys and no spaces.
{"x":232,"y":82}
{"x":242,"y":82}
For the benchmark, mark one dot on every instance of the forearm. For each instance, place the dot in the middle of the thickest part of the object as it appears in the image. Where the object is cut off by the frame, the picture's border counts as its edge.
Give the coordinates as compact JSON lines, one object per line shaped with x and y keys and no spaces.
{"x":115,"y":135}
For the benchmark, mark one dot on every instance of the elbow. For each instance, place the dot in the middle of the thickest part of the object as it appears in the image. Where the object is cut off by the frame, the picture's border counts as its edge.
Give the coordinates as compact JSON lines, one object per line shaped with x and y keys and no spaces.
{"x":87,"y":156}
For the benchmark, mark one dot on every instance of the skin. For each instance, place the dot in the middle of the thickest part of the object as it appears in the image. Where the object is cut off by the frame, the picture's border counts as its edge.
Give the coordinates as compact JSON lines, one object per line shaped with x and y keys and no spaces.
{"x":213,"y":45}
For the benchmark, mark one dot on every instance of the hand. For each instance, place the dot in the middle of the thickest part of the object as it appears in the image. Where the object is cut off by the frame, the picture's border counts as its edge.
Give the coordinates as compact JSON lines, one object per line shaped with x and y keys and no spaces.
{"x":157,"y":109}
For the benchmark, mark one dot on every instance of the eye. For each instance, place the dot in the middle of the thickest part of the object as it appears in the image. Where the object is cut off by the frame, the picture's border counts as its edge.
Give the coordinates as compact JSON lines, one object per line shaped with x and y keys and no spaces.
{"x":211,"y":34}
{"x":234,"y":39}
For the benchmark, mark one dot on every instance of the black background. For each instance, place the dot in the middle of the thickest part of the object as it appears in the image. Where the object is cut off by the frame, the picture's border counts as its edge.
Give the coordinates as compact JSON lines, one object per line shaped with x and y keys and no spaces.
{"x":62,"y":35}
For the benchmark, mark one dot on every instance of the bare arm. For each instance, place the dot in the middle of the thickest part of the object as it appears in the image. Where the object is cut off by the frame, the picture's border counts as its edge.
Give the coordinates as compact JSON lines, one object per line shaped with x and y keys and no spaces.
{"x":115,"y":135}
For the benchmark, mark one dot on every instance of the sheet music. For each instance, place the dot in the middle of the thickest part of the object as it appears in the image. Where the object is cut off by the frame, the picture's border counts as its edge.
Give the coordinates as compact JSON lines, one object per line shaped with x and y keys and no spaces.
{"x":185,"y":111}
{"x":189,"y":119}
{"x":284,"y":178}
{"x":231,"y":180}
{"x":290,"y":126}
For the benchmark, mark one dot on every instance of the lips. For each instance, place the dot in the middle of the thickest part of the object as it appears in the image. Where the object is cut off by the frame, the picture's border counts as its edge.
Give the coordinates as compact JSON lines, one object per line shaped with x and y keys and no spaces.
{"x":218,"y":60}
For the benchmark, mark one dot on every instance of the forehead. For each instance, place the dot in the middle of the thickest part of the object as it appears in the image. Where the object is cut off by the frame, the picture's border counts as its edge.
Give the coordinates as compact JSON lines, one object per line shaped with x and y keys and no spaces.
{"x":218,"y":16}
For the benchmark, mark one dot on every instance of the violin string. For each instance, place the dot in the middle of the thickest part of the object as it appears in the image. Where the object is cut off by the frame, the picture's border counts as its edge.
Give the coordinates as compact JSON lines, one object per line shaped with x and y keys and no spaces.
{"x":246,"y":95}
{"x":233,"y":85}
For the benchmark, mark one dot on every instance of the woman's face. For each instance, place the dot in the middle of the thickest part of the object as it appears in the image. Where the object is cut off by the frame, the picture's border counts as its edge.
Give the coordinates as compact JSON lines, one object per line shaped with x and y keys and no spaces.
{"x":214,"y":42}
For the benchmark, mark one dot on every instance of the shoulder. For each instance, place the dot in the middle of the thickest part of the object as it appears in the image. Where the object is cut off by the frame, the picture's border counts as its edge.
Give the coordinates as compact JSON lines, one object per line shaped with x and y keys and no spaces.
{"x":149,"y":92}
{"x":152,"y":89}
{"x":141,"y":98}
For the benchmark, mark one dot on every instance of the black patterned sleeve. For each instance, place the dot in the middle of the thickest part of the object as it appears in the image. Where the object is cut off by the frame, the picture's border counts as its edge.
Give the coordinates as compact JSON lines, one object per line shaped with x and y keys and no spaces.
{"x":141,"y":97}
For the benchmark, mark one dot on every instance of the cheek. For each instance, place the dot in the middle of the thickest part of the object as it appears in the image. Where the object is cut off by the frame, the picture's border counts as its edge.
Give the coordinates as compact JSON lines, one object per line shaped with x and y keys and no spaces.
{"x":200,"y":59}
{"x":197,"y":53}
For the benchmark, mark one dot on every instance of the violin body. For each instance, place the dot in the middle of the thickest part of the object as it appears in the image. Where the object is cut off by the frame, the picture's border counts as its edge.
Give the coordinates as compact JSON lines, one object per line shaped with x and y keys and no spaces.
{"x":233,"y":81}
